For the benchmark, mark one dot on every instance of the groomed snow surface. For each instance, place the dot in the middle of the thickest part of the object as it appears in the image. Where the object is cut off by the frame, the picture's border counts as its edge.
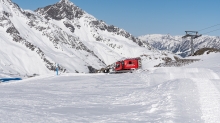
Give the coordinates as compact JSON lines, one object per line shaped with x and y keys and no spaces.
{"x":189,"y":94}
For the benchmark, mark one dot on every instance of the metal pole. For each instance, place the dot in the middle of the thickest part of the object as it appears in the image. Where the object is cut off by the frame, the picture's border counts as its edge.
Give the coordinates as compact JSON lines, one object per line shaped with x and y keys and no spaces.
{"x":192,"y":46}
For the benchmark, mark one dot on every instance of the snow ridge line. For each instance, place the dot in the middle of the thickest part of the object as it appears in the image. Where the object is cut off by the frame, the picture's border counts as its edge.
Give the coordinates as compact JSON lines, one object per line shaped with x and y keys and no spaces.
{"x":209,"y":100}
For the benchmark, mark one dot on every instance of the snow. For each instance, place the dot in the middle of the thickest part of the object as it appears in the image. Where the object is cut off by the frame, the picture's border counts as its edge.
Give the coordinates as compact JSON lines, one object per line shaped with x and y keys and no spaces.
{"x":209,"y":100}
{"x":170,"y":95}
{"x":19,"y":60}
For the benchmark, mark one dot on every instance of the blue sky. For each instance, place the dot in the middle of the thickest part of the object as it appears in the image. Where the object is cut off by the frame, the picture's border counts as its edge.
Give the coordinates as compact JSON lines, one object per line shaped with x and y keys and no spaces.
{"x":140,"y":17}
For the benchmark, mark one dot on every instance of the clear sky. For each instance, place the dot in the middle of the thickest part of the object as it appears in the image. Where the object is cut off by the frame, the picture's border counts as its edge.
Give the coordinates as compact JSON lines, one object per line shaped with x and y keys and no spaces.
{"x":140,"y":17}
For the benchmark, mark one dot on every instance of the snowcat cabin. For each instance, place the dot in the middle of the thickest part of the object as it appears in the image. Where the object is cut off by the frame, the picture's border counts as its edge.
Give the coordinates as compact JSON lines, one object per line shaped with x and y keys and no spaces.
{"x":130,"y":64}
{"x":127,"y":65}
{"x":118,"y":66}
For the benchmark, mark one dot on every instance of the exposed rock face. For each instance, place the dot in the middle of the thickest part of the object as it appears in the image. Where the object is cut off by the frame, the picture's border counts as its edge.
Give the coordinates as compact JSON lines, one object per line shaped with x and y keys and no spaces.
{"x":92,"y":70}
{"x":69,"y":25}
{"x":99,"y":24}
{"x":61,"y":10}
{"x":206,"y":50}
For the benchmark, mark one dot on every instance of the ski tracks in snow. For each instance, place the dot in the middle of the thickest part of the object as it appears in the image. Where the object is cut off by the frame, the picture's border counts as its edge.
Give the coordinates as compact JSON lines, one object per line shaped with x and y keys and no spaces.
{"x":209,"y":98}
{"x":204,"y":80}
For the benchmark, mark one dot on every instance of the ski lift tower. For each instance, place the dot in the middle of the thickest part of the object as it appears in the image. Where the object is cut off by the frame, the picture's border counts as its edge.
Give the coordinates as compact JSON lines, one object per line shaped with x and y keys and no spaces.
{"x":193,"y":35}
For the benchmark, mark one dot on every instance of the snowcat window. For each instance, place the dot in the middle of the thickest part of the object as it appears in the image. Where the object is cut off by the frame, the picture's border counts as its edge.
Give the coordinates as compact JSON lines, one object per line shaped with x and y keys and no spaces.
{"x":130,"y":62}
{"x":117,"y":65}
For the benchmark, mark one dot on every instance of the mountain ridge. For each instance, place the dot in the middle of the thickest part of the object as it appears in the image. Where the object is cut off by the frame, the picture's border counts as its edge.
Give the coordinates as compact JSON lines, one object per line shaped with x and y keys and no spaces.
{"x":180,"y":46}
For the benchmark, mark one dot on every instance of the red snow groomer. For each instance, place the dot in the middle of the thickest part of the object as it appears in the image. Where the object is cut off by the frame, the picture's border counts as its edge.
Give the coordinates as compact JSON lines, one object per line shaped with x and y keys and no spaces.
{"x":127,"y":65}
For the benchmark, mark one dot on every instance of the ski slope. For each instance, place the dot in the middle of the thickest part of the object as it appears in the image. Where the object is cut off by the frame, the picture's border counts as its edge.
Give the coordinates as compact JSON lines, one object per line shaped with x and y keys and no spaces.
{"x":169,"y":95}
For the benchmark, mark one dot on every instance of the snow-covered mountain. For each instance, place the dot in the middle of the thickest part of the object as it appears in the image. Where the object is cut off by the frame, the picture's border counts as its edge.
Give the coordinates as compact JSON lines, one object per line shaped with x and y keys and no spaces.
{"x":181,"y":46}
{"x":34,"y":42}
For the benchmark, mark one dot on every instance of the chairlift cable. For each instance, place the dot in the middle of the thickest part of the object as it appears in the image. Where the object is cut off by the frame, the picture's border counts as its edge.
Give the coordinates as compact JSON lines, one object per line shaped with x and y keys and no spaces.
{"x":208,"y":27}
{"x":211,"y":31}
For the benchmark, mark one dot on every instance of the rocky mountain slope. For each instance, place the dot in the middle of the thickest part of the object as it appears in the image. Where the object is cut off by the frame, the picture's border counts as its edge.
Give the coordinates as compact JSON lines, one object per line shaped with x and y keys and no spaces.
{"x":34,"y":42}
{"x":181,"y":46}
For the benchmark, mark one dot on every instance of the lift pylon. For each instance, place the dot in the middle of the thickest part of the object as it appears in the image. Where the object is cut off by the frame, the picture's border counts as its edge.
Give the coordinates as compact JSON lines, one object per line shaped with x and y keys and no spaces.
{"x":192,"y":35}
